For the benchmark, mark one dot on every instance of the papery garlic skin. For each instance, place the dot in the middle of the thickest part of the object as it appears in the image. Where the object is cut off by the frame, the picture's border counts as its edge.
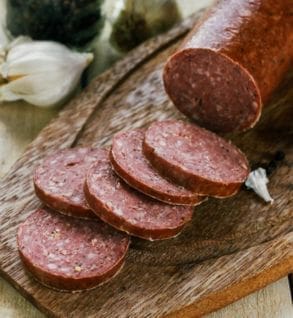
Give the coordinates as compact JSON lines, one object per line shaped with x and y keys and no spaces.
{"x":42,"y":73}
{"x":257,"y":181}
{"x":3,"y":38}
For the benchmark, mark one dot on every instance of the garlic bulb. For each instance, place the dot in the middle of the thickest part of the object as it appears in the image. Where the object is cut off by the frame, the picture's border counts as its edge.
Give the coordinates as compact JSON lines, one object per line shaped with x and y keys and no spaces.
{"x":3,"y":41}
{"x":136,"y":21}
{"x":42,"y":73}
{"x":257,"y":181}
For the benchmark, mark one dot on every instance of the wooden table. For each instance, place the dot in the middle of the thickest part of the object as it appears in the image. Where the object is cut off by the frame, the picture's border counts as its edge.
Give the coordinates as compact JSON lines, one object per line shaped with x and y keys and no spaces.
{"x":20,"y":124}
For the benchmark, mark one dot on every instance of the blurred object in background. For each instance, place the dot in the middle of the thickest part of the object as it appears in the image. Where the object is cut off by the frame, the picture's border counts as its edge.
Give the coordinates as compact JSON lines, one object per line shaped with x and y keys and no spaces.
{"x":73,"y":22}
{"x":43,"y":73}
{"x":4,"y":38}
{"x":3,"y":35}
{"x":134,"y":21}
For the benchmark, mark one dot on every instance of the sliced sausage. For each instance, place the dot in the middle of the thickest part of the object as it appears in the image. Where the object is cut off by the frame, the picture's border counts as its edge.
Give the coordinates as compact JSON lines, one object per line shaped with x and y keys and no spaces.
{"x":59,"y":180}
{"x":66,"y":253}
{"x":231,"y":62}
{"x":131,"y":165}
{"x":128,"y":210}
{"x":195,"y":158}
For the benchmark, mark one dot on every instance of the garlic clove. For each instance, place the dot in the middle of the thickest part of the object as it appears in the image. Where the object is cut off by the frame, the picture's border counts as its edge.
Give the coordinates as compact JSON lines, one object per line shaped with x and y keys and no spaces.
{"x":37,"y":90}
{"x":257,"y":181}
{"x":42,"y":63}
{"x":42,"y":73}
{"x":4,"y":39}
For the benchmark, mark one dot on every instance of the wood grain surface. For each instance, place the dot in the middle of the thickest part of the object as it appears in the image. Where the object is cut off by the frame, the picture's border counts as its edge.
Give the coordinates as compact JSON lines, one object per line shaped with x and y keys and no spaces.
{"x":131,"y":95}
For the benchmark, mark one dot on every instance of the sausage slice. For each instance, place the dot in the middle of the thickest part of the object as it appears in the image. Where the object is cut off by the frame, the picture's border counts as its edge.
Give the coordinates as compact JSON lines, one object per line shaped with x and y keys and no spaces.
{"x":128,"y":210}
{"x":195,"y":158}
{"x":131,"y":165}
{"x":69,"y":254}
{"x":59,"y":180}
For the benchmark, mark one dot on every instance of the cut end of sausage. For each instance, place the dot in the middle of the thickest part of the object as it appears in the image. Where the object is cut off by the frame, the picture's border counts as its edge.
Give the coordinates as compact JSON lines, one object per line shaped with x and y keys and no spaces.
{"x":68,"y":254}
{"x":130,"y":164}
{"x":212,"y":90}
{"x":129,"y":210}
{"x":195,"y":158}
{"x":59,"y":180}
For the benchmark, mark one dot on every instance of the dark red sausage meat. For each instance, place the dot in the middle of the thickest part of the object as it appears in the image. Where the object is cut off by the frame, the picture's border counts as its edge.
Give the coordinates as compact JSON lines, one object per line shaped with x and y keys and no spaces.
{"x":230,"y":63}
{"x":131,"y":165}
{"x":70,"y":254}
{"x":128,"y":210}
{"x":195,"y":158}
{"x":59,"y":181}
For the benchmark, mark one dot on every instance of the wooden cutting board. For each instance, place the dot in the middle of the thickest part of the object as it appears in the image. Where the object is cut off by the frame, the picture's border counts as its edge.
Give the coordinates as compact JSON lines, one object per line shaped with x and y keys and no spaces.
{"x":231,"y":248}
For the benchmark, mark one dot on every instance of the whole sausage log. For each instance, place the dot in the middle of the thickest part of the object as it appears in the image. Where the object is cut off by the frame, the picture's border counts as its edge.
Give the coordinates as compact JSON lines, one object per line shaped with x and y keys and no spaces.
{"x":230,"y":63}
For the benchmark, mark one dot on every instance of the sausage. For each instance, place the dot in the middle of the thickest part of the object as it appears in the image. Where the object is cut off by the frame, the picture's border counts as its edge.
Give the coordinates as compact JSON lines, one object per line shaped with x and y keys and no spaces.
{"x":59,"y":180}
{"x":69,"y":254}
{"x":131,"y":165}
{"x":128,"y":210}
{"x":195,"y":158}
{"x":231,"y":62}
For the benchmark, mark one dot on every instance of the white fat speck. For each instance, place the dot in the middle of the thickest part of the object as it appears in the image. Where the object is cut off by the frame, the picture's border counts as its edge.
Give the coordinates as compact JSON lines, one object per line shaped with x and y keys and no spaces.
{"x":59,"y":244}
{"x":200,"y":71}
{"x":68,"y":194}
{"x":118,"y":211}
{"x":219,"y":108}
{"x":162,"y":143}
{"x":97,"y":175}
{"x":75,"y":199}
{"x":245,"y":12}
{"x":52,"y":266}
{"x":54,"y":189}
{"x":70,"y":157}
{"x":77,"y":269}
{"x":89,"y":159}
{"x":117,"y":185}
{"x":94,"y":242}
{"x":119,"y":143}
{"x":257,"y":181}
{"x":91,"y":256}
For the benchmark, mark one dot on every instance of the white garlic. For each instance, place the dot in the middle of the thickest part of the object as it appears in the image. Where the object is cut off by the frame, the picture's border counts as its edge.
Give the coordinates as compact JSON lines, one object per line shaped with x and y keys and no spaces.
{"x":42,"y":73}
{"x":257,"y":181}
{"x":3,"y":40}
